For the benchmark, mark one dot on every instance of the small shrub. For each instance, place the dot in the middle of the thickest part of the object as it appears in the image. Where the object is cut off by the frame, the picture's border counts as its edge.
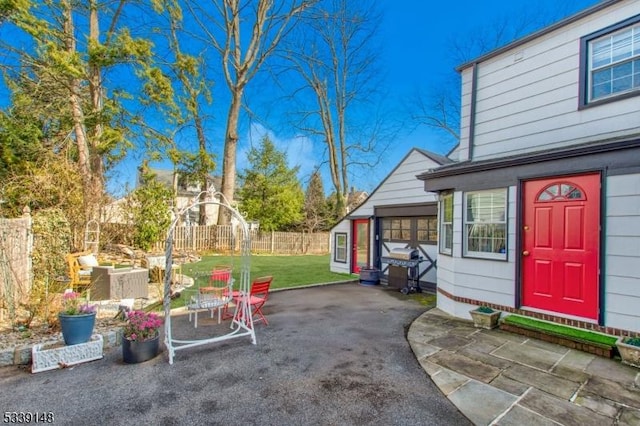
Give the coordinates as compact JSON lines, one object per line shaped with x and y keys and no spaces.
{"x":634,"y":341}
{"x":51,"y":240}
{"x":485,"y":310}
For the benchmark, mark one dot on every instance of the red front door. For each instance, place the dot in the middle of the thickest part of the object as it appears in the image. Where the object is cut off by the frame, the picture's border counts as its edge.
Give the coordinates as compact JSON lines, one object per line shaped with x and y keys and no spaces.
{"x":561,"y":241}
{"x":360,"y":251}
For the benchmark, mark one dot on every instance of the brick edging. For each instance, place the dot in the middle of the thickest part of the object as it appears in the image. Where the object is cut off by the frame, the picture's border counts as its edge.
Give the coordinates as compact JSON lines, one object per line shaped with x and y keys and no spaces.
{"x":595,"y":349}
{"x":545,"y":317}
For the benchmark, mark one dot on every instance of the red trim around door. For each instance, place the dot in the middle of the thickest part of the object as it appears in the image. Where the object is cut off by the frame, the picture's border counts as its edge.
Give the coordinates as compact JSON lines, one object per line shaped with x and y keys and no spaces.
{"x":561,"y":245}
{"x":360,"y":250}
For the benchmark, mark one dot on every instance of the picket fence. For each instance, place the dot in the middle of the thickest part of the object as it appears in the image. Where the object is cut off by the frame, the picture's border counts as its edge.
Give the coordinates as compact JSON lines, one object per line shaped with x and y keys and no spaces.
{"x":16,"y":246}
{"x":221,"y":239}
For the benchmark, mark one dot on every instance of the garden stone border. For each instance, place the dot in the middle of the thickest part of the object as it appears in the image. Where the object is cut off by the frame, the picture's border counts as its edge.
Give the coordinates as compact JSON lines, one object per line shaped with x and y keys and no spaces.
{"x":21,"y":355}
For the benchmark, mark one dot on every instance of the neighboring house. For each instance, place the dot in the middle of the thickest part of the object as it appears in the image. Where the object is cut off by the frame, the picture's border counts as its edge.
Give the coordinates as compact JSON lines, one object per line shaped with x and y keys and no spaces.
{"x":117,"y":211}
{"x":541,"y":213}
{"x":398,"y":213}
{"x":354,"y":199}
{"x":186,"y":193}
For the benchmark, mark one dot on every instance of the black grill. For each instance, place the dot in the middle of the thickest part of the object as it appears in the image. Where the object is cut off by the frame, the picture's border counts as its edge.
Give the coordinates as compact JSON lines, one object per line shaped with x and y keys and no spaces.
{"x":404,"y":271}
{"x":412,"y":263}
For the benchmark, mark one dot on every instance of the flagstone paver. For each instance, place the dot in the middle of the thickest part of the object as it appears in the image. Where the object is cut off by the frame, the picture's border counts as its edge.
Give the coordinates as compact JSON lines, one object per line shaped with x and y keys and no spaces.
{"x":482,"y":410}
{"x":528,"y":355}
{"x":554,"y":385}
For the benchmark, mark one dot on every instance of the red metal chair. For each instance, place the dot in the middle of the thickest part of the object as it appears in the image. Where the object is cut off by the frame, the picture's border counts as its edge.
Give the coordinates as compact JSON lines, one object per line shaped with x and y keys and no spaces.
{"x":257,"y":298}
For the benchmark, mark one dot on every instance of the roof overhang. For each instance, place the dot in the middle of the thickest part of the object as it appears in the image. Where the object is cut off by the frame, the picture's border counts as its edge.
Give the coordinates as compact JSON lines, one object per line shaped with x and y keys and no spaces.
{"x":486,"y":174}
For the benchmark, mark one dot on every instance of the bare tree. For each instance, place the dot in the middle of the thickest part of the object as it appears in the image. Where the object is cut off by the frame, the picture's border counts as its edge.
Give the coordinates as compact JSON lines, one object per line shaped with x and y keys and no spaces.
{"x":244,"y":33}
{"x":438,"y":107}
{"x":192,"y":95}
{"x":335,"y":56}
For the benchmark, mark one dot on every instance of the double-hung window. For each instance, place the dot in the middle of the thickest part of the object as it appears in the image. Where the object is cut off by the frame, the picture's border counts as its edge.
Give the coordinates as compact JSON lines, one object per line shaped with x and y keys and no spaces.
{"x":612,"y":61}
{"x":340,"y":253}
{"x":485,"y":224}
{"x":446,"y":223}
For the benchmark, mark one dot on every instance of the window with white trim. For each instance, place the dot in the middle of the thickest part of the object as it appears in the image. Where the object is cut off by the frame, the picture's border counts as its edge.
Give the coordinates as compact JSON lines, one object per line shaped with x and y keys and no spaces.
{"x":340,"y":253}
{"x":446,"y":223}
{"x":485,"y":224}
{"x":613,"y":61}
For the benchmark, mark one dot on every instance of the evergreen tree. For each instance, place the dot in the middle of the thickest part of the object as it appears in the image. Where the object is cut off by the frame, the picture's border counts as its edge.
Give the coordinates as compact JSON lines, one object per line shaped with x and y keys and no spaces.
{"x":316,"y":208}
{"x":271,"y":192}
{"x":150,"y":210}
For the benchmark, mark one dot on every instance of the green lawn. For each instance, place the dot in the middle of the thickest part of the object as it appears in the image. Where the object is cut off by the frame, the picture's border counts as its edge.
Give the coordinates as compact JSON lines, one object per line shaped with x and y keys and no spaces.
{"x":287,"y":271}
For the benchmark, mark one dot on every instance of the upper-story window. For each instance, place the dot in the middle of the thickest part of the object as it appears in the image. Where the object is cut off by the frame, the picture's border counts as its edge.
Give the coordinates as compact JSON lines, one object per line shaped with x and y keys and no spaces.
{"x":611,"y":58}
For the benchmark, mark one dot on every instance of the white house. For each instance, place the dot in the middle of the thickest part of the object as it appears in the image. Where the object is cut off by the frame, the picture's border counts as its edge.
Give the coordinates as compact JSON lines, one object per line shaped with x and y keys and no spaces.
{"x":540,"y":215}
{"x":117,"y":211}
{"x":398,"y":213}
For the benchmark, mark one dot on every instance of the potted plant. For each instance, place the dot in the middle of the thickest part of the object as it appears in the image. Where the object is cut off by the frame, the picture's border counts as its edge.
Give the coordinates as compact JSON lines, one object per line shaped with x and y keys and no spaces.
{"x":141,"y":339}
{"x":485,"y":317}
{"x":77,"y":318}
{"x":629,"y":348}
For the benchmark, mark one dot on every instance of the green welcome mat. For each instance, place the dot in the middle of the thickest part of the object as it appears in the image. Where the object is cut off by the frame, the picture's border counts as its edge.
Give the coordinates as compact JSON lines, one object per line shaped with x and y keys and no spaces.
{"x":561,"y":330}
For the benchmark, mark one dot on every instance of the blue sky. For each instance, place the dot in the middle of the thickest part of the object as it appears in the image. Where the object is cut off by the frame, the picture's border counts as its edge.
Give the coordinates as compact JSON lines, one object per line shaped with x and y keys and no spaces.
{"x":419,"y":37}
{"x":416,"y":38}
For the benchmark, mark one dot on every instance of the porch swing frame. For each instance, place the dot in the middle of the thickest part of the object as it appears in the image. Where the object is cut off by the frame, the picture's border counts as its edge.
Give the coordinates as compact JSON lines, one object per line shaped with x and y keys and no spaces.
{"x":242,"y":322}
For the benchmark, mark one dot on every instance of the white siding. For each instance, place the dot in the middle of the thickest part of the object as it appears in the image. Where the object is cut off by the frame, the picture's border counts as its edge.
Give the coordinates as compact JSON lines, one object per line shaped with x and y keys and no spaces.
{"x":400,"y":187}
{"x":491,"y":281}
{"x":495,"y":282}
{"x":340,"y":267}
{"x":457,"y":224}
{"x":527,"y":98}
{"x":622,"y":250}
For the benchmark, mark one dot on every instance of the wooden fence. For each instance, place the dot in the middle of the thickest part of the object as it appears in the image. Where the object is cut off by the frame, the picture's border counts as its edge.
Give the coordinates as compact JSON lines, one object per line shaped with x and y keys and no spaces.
{"x":16,"y":246}
{"x":221,"y":239}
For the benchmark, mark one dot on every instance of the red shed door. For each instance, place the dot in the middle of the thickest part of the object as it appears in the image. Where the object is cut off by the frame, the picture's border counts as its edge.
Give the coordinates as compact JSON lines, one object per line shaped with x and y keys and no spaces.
{"x":360,"y":250}
{"x":561,"y":241}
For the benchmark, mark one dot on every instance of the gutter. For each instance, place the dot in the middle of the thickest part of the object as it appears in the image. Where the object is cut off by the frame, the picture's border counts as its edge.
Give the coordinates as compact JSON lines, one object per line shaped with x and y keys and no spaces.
{"x":472,"y":113}
{"x":530,"y":158}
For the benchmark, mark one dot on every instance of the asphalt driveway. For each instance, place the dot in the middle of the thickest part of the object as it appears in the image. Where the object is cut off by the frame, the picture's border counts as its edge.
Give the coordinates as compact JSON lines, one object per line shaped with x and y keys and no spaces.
{"x":332,"y":355}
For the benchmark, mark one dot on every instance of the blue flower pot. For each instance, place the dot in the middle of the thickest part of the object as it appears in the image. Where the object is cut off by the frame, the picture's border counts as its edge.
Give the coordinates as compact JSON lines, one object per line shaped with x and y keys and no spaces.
{"x":369,"y":276}
{"x":77,"y":328}
{"x":134,"y":351}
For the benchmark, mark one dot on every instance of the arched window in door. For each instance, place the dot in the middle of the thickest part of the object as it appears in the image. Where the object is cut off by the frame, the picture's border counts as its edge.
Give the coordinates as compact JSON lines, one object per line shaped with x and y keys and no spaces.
{"x":561,"y":191}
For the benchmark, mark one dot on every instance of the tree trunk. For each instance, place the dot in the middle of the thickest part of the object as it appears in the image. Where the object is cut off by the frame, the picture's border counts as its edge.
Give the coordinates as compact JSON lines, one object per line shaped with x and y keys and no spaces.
{"x":77,"y":113}
{"x":204,"y":182}
{"x":229,"y":171}
{"x":95,"y":89}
